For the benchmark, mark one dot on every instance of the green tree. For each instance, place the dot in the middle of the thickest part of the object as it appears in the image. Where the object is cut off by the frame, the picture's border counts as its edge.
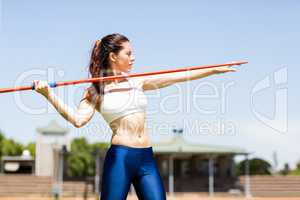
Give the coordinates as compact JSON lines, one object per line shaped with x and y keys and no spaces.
{"x":11,"y":148}
{"x":2,"y":138}
{"x":286,"y":169}
{"x":80,"y":160}
{"x":296,"y":171}
{"x":1,"y":143}
{"x":99,"y":145}
{"x":257,"y":166}
{"x":31,"y":148}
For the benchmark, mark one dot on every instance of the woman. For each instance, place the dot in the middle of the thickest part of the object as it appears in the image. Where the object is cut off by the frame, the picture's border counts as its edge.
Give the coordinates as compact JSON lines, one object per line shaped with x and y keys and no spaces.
{"x":122,"y":104}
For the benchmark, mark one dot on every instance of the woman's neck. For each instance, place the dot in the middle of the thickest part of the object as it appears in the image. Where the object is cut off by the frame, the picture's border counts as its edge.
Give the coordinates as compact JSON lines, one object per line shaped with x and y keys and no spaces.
{"x":117,"y":73}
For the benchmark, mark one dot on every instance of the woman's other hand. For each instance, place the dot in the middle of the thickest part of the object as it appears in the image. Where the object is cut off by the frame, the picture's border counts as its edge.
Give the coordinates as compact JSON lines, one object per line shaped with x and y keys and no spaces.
{"x":42,"y":87}
{"x":229,"y":68}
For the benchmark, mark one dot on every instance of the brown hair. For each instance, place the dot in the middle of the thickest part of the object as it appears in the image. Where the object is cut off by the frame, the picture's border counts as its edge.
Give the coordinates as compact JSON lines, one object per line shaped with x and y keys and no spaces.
{"x":99,"y":63}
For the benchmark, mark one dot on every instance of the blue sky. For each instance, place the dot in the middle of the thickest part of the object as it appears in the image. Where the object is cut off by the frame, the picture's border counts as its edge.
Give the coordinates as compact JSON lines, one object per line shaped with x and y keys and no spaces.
{"x":38,"y":39}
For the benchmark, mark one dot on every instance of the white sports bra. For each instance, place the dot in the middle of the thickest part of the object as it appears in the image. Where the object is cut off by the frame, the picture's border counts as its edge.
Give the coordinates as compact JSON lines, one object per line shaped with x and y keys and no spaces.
{"x":128,"y":98}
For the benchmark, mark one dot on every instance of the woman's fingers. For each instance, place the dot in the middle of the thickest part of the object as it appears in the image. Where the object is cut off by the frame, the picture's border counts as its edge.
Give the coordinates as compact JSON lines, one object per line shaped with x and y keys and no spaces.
{"x":232,"y":69}
{"x":37,"y":84}
{"x":41,"y":86}
{"x":225,"y":69}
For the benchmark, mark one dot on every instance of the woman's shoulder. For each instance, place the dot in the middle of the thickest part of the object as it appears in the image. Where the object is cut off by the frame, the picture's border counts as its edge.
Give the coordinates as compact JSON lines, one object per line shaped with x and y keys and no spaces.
{"x":137,"y":82}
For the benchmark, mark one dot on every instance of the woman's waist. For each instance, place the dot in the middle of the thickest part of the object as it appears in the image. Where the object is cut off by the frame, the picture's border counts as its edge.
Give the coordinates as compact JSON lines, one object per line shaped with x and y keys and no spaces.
{"x":130,"y":148}
{"x":131,"y":139}
{"x":129,"y":154}
{"x":130,"y":122}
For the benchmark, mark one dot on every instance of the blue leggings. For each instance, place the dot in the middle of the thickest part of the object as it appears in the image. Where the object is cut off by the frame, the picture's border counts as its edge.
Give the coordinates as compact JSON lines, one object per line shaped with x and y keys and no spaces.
{"x":124,"y":165}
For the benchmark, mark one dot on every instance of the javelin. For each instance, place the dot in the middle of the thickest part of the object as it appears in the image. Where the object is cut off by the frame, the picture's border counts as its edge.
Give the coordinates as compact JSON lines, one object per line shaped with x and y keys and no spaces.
{"x":108,"y":78}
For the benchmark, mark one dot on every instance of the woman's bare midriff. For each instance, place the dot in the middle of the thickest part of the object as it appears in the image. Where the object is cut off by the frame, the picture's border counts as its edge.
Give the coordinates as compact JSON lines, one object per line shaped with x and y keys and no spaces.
{"x":131,"y":130}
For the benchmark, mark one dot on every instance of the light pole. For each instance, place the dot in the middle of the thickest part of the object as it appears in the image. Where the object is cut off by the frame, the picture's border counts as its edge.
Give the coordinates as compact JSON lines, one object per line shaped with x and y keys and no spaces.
{"x":178,"y":131}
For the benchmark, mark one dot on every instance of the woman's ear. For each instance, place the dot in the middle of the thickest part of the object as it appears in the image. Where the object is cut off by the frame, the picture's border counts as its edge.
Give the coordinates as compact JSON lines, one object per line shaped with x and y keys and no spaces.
{"x":112,"y":57}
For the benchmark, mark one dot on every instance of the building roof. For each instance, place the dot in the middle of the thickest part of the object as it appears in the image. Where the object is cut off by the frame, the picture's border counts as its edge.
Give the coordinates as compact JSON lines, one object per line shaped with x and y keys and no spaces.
{"x":17,"y":158}
{"x":53,"y":128}
{"x":178,"y":144}
{"x":24,"y":157}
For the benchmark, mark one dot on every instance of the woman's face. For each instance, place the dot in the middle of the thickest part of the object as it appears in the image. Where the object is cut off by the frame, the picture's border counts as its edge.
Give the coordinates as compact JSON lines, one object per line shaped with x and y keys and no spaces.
{"x":124,"y":60}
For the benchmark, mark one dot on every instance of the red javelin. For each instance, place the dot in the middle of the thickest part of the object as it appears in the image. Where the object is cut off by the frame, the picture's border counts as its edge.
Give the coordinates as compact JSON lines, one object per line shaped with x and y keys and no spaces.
{"x":109,"y":78}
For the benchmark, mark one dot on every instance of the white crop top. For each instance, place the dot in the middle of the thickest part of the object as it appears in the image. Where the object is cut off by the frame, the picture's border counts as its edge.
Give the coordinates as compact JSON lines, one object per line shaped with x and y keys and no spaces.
{"x":117,"y":103}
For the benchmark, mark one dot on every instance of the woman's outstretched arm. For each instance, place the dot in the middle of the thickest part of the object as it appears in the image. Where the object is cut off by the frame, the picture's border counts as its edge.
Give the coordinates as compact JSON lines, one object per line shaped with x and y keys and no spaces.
{"x":78,"y":116}
{"x":163,"y":80}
